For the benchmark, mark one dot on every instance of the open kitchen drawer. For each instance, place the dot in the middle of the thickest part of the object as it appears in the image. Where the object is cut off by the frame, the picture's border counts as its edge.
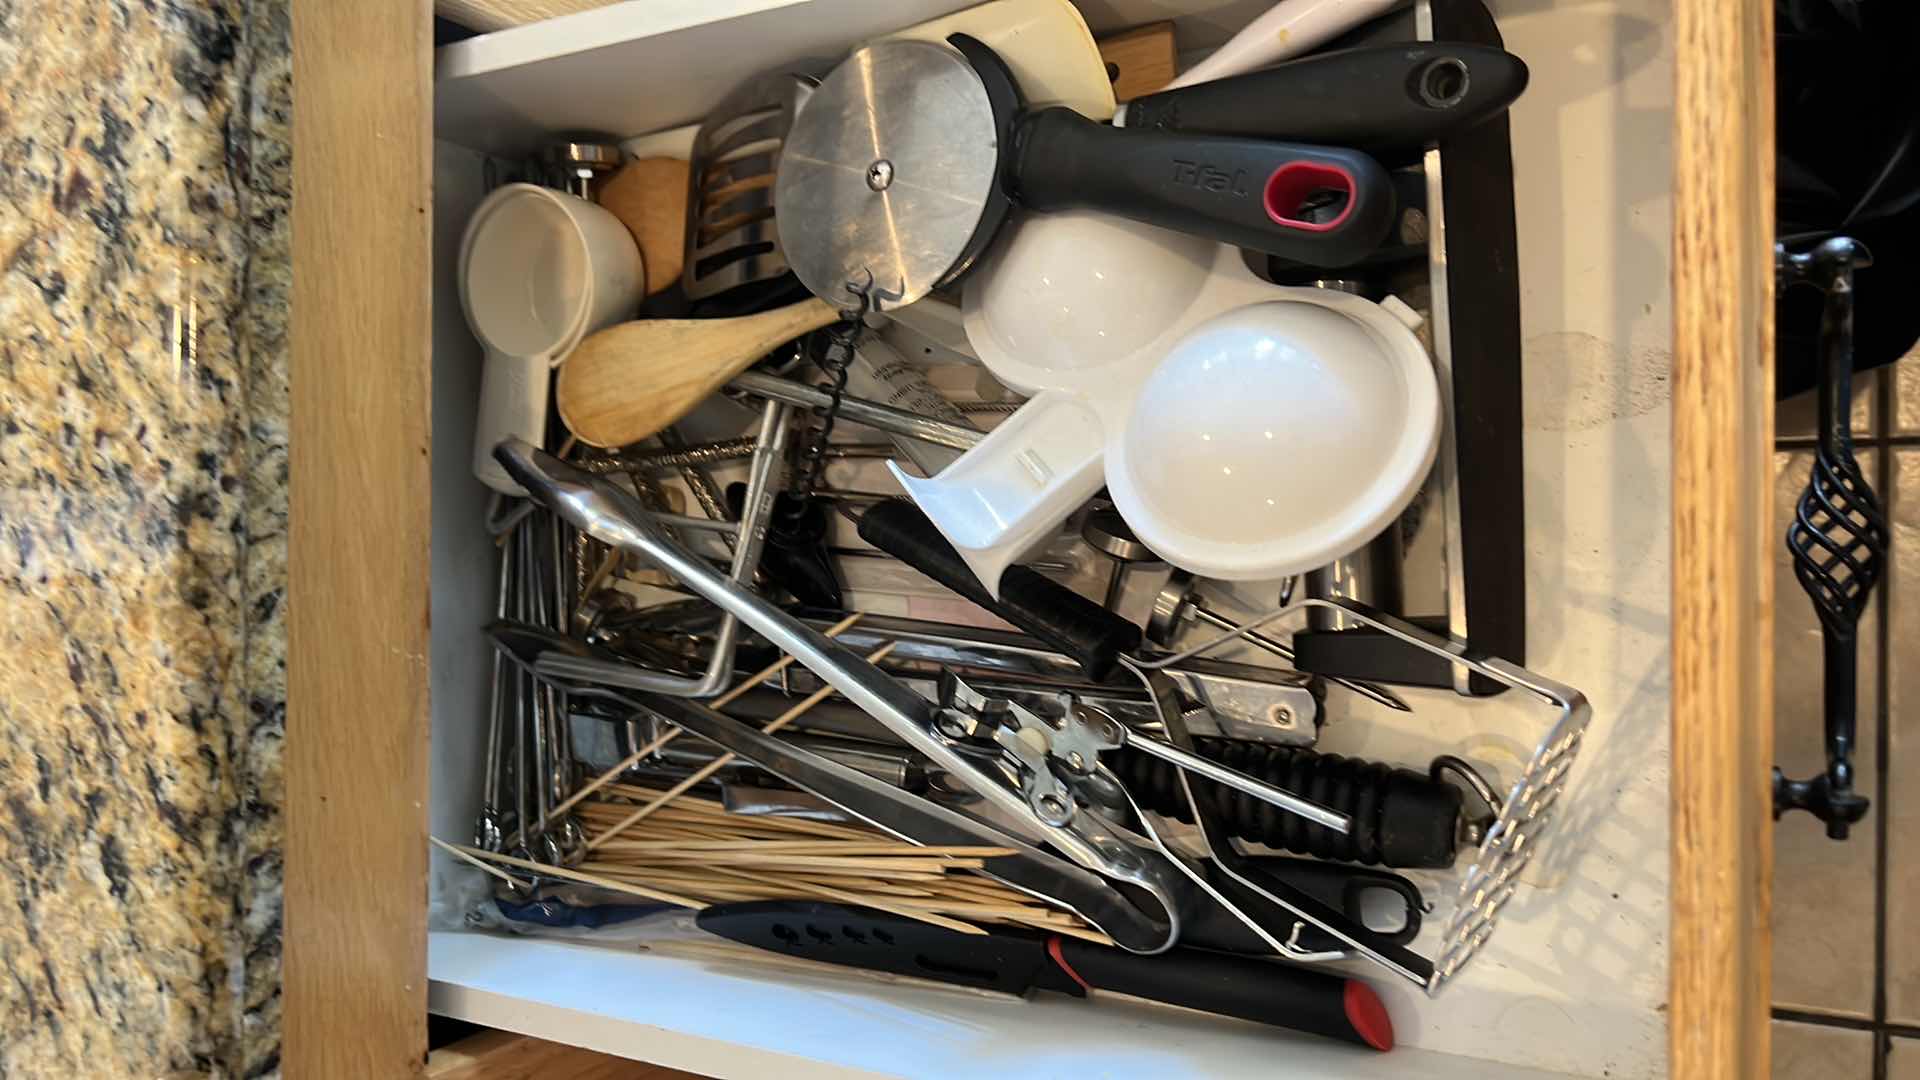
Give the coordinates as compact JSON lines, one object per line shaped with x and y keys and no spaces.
{"x":1640,"y":950}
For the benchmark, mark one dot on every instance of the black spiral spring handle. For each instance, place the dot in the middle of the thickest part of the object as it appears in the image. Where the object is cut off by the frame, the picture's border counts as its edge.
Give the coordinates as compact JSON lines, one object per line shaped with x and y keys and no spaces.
{"x":836,"y":346}
{"x":1400,"y":817}
{"x":1838,"y":536}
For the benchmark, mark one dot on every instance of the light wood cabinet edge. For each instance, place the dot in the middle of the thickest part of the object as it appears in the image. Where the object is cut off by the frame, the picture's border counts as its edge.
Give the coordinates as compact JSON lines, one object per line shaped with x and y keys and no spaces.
{"x":354,"y":950}
{"x":1722,"y":720}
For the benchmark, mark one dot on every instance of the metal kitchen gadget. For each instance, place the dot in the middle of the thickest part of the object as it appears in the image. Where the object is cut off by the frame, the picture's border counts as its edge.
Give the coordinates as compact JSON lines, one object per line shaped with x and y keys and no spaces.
{"x":1506,"y":847}
{"x":732,"y":238}
{"x":1255,"y":704}
{"x":580,"y":161}
{"x":1178,"y":603}
{"x":1106,"y":532}
{"x":910,"y":155}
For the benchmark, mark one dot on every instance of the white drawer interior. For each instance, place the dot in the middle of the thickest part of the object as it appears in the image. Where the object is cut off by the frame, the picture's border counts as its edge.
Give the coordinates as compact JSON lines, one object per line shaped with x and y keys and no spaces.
{"x":1575,"y":977}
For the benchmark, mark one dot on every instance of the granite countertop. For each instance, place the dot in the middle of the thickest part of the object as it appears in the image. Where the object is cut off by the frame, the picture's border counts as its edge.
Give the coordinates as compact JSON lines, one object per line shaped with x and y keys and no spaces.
{"x":144,"y":269}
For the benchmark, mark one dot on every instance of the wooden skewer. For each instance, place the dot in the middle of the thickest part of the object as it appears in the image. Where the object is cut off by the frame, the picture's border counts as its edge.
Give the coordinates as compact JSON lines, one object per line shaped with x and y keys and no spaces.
{"x":727,"y":698}
{"x":694,"y":809}
{"x":714,"y":888}
{"x":714,"y":811}
{"x":700,"y":775}
{"x":853,"y":866}
{"x":705,"y":890}
{"x":956,"y":888}
{"x":1075,"y":930}
{"x":866,"y":884}
{"x":816,"y":847}
{"x":746,"y":859}
{"x":888,"y":905}
{"x":961,"y":908}
{"x":788,"y":889}
{"x":464,"y":857}
{"x":546,"y":870}
{"x":656,"y":851}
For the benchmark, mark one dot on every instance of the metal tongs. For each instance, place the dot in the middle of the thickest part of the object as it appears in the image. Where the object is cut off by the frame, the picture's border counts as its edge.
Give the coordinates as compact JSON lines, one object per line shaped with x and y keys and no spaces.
{"x":1040,"y":757}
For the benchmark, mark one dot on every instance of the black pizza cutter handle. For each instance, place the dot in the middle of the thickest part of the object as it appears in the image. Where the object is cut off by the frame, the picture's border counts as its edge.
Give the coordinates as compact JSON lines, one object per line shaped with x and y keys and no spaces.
{"x":1048,"y":610}
{"x":1389,"y":101}
{"x":1318,"y":205}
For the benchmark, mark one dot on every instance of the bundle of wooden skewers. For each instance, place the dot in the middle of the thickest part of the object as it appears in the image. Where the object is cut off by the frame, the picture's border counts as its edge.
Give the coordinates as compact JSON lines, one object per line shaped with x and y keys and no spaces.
{"x":671,"y":846}
{"x":694,"y":853}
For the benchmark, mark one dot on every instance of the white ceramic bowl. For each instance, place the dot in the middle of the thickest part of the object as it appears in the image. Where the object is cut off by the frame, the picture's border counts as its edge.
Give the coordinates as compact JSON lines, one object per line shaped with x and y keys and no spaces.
{"x":1276,"y":437}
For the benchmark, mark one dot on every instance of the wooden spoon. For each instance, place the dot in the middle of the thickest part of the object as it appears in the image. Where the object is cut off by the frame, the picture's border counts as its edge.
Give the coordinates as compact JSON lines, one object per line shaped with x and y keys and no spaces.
{"x":649,"y":196}
{"x":627,"y":382}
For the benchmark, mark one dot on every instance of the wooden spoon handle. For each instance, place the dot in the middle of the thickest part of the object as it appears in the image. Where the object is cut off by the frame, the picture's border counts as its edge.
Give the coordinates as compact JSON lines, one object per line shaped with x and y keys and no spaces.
{"x":627,"y":382}
{"x":649,"y":196}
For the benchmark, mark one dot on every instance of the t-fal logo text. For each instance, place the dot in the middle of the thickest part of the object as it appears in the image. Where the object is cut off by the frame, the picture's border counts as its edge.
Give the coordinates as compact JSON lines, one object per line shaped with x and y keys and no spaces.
{"x":1198,"y":174}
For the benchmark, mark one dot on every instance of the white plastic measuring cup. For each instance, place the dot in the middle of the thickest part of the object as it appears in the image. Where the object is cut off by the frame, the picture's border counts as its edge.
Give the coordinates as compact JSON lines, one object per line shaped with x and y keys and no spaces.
{"x":1245,"y":431}
{"x":539,"y":270}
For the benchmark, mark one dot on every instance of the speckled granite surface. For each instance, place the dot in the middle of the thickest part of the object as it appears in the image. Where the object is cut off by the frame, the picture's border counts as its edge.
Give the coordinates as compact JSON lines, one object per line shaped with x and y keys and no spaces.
{"x":144,"y":271}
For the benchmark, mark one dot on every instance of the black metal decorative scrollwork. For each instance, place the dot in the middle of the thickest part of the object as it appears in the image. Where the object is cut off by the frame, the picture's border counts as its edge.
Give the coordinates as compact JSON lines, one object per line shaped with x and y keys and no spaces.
{"x":1838,"y":536}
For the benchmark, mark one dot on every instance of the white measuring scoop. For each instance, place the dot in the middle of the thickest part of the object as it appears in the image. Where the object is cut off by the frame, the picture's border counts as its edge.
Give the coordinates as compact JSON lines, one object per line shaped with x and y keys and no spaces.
{"x":539,"y":270}
{"x":1245,"y":431}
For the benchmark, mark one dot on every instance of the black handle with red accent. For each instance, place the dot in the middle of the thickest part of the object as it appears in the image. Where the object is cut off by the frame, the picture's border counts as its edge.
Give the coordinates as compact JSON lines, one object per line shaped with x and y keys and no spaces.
{"x":1318,"y":205}
{"x":1009,"y":961}
{"x":1278,"y":995}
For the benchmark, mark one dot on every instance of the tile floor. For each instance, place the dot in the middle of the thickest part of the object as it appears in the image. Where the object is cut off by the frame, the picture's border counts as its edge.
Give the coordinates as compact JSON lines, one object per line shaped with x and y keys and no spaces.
{"x":1847,"y":913}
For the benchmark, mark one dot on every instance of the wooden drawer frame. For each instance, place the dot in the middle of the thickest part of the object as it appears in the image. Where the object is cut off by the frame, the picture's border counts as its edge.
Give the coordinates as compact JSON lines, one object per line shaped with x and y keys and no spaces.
{"x":357,"y":718}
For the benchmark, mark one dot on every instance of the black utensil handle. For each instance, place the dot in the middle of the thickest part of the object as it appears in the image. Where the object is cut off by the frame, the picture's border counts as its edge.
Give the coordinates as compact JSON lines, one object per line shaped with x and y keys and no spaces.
{"x":1320,"y":205}
{"x":1042,"y":607}
{"x":1345,"y":887}
{"x":1400,"y":818}
{"x":1390,"y":101}
{"x":1280,"y":995}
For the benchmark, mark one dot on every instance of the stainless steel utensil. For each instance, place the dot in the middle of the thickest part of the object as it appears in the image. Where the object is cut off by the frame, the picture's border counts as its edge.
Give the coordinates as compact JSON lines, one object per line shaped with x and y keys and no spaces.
{"x":1178,"y":602}
{"x":1508,"y":845}
{"x":579,"y":161}
{"x":1370,"y":574}
{"x":732,"y":236}
{"x":870,"y":413}
{"x":1106,"y":532}
{"x":763,"y":482}
{"x":1233,"y":700}
{"x":488,"y":832}
{"x":892,"y":182}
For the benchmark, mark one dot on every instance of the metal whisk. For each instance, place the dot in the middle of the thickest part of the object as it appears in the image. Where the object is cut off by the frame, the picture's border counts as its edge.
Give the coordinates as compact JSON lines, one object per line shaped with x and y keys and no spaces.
{"x":1838,"y":536}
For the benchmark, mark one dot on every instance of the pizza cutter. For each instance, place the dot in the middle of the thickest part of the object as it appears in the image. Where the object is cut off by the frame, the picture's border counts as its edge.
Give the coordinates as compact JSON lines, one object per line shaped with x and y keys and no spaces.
{"x":910,"y":155}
